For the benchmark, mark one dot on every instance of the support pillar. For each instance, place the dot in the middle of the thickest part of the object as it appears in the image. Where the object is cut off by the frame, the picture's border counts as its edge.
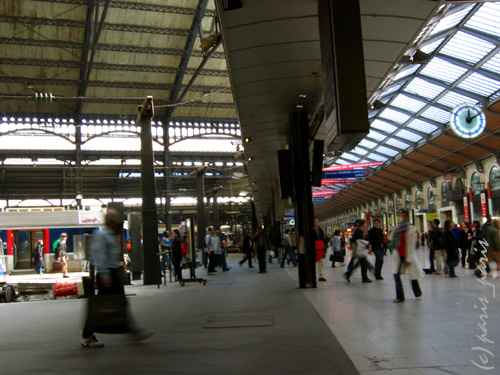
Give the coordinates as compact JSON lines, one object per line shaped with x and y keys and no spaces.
{"x":303,"y":198}
{"x":136,"y":255}
{"x":148,"y":192}
{"x":200,"y":205}
{"x":166,"y":173}
{"x":216,"y":211}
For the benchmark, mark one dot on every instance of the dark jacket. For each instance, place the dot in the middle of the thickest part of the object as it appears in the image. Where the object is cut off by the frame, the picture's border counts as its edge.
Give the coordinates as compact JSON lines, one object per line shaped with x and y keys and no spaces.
{"x":465,"y":243}
{"x":321,"y":237}
{"x":37,"y":254}
{"x":437,"y":239}
{"x":247,"y":244}
{"x":176,"y":248}
{"x":376,"y":238}
{"x":451,"y":246}
{"x":61,"y":249}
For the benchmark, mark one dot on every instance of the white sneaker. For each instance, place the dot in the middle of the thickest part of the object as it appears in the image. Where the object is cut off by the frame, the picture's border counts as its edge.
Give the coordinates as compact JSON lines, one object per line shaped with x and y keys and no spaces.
{"x":91,"y":342}
{"x":494,"y":274}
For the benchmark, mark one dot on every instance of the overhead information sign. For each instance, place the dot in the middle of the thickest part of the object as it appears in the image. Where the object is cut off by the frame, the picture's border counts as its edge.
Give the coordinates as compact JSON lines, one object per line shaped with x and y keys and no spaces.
{"x":319,"y":199}
{"x":333,"y":181}
{"x":353,"y":173}
{"x":344,"y":167}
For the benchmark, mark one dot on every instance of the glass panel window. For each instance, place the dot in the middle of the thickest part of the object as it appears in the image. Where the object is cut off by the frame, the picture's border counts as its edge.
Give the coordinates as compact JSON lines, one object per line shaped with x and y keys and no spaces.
{"x":467,"y":47}
{"x":486,"y":19}
{"x":395,"y":143}
{"x":443,"y":70}
{"x":405,"y":134}
{"x":430,"y":197}
{"x":384,"y":126}
{"x":476,"y":183}
{"x":493,"y":64}
{"x":394,"y":116}
{"x":424,"y":89}
{"x":437,"y":114}
{"x":407,"y":202}
{"x":422,"y":126}
{"x":376,"y":136}
{"x":444,"y":189}
{"x":407,"y":103}
{"x":418,"y":199}
{"x":452,"y":99}
{"x":480,"y":84}
{"x":398,"y":203}
{"x":450,"y":21}
{"x":387,"y":151}
{"x":494,"y":178}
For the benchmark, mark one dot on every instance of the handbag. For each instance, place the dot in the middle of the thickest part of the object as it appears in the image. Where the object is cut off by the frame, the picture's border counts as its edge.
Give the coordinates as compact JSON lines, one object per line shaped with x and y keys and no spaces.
{"x":107,"y":314}
{"x":338,"y":257}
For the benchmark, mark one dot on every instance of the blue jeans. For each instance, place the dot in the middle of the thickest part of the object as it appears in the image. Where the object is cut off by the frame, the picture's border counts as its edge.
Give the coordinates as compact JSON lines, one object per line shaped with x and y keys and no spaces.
{"x":379,"y":261}
{"x":222,"y":260}
{"x":288,"y":251}
{"x":38,"y":270}
{"x":452,"y":264}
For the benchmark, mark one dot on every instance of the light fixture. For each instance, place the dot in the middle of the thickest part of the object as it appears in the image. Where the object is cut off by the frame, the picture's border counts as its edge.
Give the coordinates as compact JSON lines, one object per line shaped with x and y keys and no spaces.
{"x":300,"y":106}
{"x":302,"y":95}
{"x":249,"y":139}
{"x":377,"y":104}
{"x":251,"y":158}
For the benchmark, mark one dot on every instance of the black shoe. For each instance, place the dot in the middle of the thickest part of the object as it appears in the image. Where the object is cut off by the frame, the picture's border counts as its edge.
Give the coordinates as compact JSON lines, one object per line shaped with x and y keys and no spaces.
{"x":321,"y":279}
{"x":334,"y":266}
{"x":347,"y":277}
{"x":262,"y":271}
{"x":379,"y":278}
{"x":251,"y":267}
{"x":227,"y":269}
{"x":367,"y":281}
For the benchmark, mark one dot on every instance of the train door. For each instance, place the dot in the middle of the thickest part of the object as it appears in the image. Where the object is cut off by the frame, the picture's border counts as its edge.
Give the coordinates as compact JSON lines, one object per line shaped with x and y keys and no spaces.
{"x":24,"y":243}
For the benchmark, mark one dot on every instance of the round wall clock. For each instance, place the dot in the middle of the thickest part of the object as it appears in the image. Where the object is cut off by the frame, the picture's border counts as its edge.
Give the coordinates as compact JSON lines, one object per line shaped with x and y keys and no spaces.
{"x":467,"y":120}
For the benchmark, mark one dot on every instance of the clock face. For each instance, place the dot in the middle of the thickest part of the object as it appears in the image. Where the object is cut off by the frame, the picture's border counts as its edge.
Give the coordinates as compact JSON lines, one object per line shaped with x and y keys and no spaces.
{"x":467,"y":120}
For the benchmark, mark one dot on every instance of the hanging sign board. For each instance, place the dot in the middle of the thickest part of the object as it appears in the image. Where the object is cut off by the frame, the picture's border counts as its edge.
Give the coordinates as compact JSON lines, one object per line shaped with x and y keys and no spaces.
{"x":484,"y":209}
{"x":353,"y":173}
{"x":333,"y":181}
{"x":466,"y":209}
{"x":319,"y":199}
{"x":344,"y":167}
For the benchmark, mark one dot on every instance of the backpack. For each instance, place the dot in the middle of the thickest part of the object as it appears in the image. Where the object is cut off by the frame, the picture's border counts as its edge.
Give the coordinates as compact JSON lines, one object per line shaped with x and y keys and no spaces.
{"x":441,"y":240}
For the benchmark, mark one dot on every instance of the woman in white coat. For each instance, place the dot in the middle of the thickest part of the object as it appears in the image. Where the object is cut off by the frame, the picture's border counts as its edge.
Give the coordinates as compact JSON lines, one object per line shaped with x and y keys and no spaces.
{"x":405,"y":258}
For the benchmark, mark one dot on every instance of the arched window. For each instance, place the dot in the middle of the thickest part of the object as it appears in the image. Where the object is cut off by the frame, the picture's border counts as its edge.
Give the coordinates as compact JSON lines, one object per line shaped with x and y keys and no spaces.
{"x":494,"y":178}
{"x":459,"y":184}
{"x":476,"y":183}
{"x":382,"y":207}
{"x":407,"y":202}
{"x":418,"y":199}
{"x":375,"y":209}
{"x":430,"y":197}
{"x":390,"y":206}
{"x":398,"y":204}
{"x":444,"y":189}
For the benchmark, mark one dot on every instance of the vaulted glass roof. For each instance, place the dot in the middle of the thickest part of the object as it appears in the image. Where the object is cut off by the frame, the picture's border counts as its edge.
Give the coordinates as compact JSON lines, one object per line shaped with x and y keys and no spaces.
{"x":461,"y":63}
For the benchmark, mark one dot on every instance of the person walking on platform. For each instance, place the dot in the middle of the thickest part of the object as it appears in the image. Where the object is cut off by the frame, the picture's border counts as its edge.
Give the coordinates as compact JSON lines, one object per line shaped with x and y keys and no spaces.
{"x":321,"y":243}
{"x":38,"y":257}
{"x":247,"y":249}
{"x":359,"y":251}
{"x":437,"y":237}
{"x":209,"y":250}
{"x":405,"y":259}
{"x":287,"y":250}
{"x":376,"y":240}
{"x":452,"y":252}
{"x":61,"y":256}
{"x":260,"y":240}
{"x":105,"y":257}
{"x":177,"y":253}
{"x":336,"y":246}
{"x":465,"y":243}
{"x":493,"y":248}
{"x":219,"y":251}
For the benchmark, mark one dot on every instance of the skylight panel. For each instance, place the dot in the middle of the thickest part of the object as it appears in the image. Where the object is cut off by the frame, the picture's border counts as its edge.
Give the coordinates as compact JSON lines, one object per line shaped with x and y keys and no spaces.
{"x":429,"y":48}
{"x":480,"y":84}
{"x":394,"y":116}
{"x":398,"y":144}
{"x":387,"y":151}
{"x":493,"y":64}
{"x":376,"y":136}
{"x":436,"y":114}
{"x":443,"y":70}
{"x":367,"y":144}
{"x":466,"y":47}
{"x":424,"y":89}
{"x":384,"y":126}
{"x":359,"y":151}
{"x":348,"y":156}
{"x":391,"y":89}
{"x":486,"y":19}
{"x":422,"y":126}
{"x":405,"y":134}
{"x":452,"y":99}
{"x":406,"y":72}
{"x":450,"y":21}
{"x":378,"y":157}
{"x":408,"y":104}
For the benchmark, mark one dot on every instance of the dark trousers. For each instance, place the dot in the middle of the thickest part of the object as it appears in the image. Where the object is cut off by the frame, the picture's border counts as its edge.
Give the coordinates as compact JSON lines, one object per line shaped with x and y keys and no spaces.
{"x":431,"y":260}
{"x":452,"y":264}
{"x":400,"y":293}
{"x":117,"y":287}
{"x":247,"y":257}
{"x":177,"y":267}
{"x":379,"y":261}
{"x":465,"y":253}
{"x":354,"y":263}
{"x":205,"y":259}
{"x":212,"y":262}
{"x":261,"y":254}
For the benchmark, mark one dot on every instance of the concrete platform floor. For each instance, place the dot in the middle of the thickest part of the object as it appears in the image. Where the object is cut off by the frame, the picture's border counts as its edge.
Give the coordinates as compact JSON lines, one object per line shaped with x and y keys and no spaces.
{"x":272,"y":328}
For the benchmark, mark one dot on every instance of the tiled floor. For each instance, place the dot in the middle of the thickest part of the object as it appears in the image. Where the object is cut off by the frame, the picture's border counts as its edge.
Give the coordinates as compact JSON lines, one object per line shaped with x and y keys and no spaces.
{"x":437,"y":335}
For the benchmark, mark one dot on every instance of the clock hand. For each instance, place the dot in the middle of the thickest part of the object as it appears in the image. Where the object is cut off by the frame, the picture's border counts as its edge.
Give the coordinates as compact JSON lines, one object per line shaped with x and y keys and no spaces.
{"x":473,"y":117}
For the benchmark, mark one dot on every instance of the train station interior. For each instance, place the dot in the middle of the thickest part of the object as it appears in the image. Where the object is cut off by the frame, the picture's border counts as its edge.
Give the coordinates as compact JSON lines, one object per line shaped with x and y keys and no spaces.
{"x":246,"y":114}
